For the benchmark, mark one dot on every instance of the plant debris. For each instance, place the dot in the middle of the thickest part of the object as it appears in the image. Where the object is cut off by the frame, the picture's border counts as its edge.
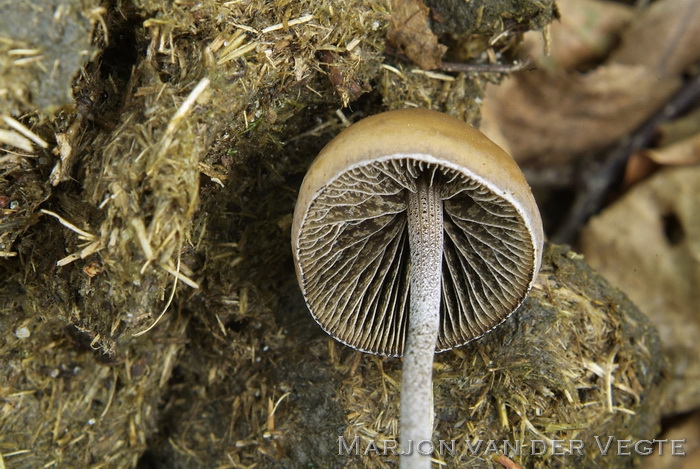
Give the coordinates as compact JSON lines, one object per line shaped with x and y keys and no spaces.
{"x":410,"y":33}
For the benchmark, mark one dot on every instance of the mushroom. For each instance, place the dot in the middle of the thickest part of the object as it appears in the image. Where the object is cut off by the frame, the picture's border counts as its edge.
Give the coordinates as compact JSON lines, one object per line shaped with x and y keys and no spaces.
{"x":414,"y":233}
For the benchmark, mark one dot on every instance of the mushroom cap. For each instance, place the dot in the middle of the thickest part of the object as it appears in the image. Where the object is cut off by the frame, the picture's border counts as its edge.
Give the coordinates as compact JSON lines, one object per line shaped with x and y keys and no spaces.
{"x":350,"y":238}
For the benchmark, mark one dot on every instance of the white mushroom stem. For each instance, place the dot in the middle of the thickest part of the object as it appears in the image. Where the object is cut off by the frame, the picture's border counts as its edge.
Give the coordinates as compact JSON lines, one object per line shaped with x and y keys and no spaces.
{"x":425,"y":235}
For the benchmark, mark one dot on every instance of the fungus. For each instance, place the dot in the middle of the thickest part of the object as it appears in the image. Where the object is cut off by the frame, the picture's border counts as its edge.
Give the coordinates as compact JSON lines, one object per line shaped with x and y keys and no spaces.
{"x":414,"y":233}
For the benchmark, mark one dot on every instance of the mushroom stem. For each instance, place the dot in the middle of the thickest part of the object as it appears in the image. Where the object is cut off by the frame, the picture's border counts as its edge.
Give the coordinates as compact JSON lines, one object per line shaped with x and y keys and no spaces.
{"x":425,"y":235}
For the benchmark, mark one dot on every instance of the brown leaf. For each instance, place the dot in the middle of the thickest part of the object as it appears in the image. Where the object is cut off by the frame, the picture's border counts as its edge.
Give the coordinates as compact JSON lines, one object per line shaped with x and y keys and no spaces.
{"x":638,"y":167}
{"x":683,"y":151}
{"x":664,"y":37}
{"x":549,"y":116}
{"x":686,"y":151}
{"x":342,"y":79}
{"x":554,"y":115}
{"x":410,"y":32}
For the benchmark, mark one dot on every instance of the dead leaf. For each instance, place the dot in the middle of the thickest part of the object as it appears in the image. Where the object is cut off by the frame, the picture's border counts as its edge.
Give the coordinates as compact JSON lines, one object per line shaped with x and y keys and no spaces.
{"x":665,"y":37}
{"x":645,"y":162}
{"x":648,"y":245}
{"x":638,"y":167}
{"x":686,"y":151}
{"x":344,"y":83}
{"x":547,"y":117}
{"x":553,"y":115}
{"x":410,"y":32}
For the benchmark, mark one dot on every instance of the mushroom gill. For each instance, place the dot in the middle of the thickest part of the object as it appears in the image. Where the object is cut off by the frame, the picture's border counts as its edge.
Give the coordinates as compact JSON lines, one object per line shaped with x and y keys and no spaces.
{"x":354,"y":255}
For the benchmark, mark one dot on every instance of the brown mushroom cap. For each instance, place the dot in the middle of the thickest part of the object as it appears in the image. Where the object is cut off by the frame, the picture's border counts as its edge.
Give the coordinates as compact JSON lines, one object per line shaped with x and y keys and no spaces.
{"x":350,"y":240}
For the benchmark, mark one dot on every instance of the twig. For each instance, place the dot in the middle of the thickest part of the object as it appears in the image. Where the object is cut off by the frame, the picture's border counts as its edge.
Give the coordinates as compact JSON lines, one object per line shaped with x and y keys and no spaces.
{"x":599,"y":178}
{"x":486,"y":68}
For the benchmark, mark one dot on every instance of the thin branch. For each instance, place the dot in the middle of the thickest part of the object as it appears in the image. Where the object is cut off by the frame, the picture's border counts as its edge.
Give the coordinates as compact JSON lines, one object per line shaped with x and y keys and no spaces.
{"x":486,"y":68}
